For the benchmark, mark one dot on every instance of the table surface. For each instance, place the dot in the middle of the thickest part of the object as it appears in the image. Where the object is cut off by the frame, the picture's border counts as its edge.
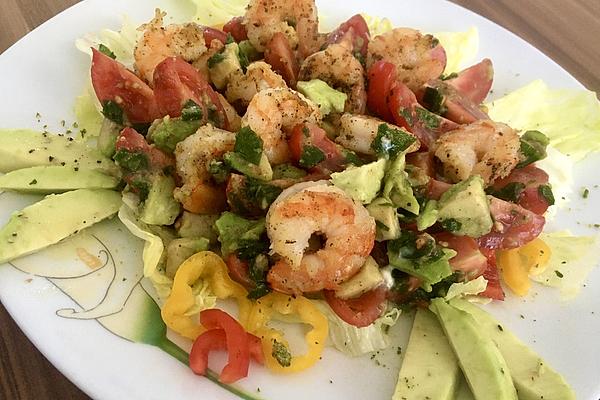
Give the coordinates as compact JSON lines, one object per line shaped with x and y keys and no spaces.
{"x":566,"y":33}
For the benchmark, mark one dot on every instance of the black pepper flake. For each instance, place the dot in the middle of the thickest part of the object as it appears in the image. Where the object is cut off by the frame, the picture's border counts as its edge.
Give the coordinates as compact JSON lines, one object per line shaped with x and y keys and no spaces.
{"x":31,"y":151}
{"x":558,"y":273}
{"x":76,"y":169}
{"x":500,"y":328}
{"x":50,"y":158}
{"x":33,"y":182}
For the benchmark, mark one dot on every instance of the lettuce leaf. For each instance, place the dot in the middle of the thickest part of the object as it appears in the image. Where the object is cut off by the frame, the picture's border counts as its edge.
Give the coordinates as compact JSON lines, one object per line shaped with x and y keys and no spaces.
{"x":87,"y":112}
{"x":569,"y":117}
{"x":461,"y":48}
{"x":572,"y":259}
{"x":377,"y":25}
{"x":468,"y":290}
{"x":560,"y":172}
{"x":355,"y":341}
{"x":217,"y":12}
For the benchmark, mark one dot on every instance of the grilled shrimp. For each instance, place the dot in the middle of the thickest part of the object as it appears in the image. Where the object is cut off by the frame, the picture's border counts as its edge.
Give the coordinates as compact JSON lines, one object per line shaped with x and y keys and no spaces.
{"x":193,"y":156}
{"x":259,"y":76}
{"x":274,"y":112}
{"x":417,"y":57}
{"x":158,"y":43}
{"x":341,"y":70}
{"x":296,"y":19}
{"x":357,"y":133}
{"x":235,"y":121}
{"x":486,"y":148}
{"x":314,"y":208}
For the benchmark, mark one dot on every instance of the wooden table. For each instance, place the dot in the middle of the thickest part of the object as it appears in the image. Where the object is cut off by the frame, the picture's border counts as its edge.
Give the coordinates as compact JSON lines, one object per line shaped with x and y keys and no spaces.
{"x":566,"y":31}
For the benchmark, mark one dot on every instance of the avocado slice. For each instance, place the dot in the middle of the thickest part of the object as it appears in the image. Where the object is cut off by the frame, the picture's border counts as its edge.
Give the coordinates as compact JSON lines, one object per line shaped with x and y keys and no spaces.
{"x":369,"y":277}
{"x":107,"y":137}
{"x":327,"y":98}
{"x":531,"y":375}
{"x":361,"y":183}
{"x":191,"y":225}
{"x":386,"y":219}
{"x":55,"y":179}
{"x":480,"y":360}
{"x":397,"y":186}
{"x":23,"y":148}
{"x":54,"y":218}
{"x":430,"y":369}
{"x":464,"y":209}
{"x":463,"y":392}
{"x":160,"y":208}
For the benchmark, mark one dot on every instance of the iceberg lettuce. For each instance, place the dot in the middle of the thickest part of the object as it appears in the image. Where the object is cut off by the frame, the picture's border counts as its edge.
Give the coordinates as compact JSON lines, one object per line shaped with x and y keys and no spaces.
{"x":217,"y":12}
{"x":461,"y":48}
{"x":569,"y":117}
{"x":572,"y":259}
{"x":355,"y":341}
{"x":87,"y":112}
{"x":560,"y":172}
{"x":468,"y":290}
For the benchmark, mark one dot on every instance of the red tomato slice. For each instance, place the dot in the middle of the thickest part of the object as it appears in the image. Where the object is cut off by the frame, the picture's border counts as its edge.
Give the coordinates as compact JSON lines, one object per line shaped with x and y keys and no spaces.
{"x":475,"y":82}
{"x":357,"y":27}
{"x":237,"y":343}
{"x":280,"y":56}
{"x":112,"y":81}
{"x":493,"y":289}
{"x":308,"y":134}
{"x":361,"y":311}
{"x":382,"y":76}
{"x":468,"y":260}
{"x":176,"y":82}
{"x":238,"y":270}
{"x":130,"y":140}
{"x":518,"y":226}
{"x":437,"y":189}
{"x":236,"y":28}
{"x":211,"y":34}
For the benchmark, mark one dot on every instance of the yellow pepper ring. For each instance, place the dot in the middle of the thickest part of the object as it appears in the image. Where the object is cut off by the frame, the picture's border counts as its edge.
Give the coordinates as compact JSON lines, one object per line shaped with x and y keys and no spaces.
{"x":210,"y":267}
{"x":286,"y":305}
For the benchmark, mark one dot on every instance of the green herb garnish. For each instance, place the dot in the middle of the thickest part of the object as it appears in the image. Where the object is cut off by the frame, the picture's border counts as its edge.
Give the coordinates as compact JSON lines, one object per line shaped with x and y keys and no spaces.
{"x":546,"y":192}
{"x":533,"y":147}
{"x":106,"y":51}
{"x":131,"y":161}
{"x":191,"y":111}
{"x":511,"y":192}
{"x":311,"y":156}
{"x":281,"y":354}
{"x":112,"y":111}
{"x":389,"y":142}
{"x":248,"y":145}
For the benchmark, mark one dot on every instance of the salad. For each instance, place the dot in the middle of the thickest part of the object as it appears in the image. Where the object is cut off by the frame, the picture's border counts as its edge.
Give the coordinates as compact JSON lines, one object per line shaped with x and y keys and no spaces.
{"x":332,"y":179}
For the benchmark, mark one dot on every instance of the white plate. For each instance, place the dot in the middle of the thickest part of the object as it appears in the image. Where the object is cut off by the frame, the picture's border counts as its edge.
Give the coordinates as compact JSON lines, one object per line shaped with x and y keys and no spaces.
{"x":44,"y":72}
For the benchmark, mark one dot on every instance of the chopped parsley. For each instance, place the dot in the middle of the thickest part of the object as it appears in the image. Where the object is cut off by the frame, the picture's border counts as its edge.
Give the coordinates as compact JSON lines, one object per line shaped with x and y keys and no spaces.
{"x":248,"y":145}
{"x":311,"y":156}
{"x":390,"y":141}
{"x":558,"y":273}
{"x":281,"y":354}
{"x":434,"y":100}
{"x":219,"y":171}
{"x":131,"y":161}
{"x":106,"y":51}
{"x":261,"y":194}
{"x":191,"y":111}
{"x":511,"y":192}
{"x":429,"y":119}
{"x":451,"y":225}
{"x":533,"y":148}
{"x":586,"y":192}
{"x":216,"y":59}
{"x":112,"y":111}
{"x":546,"y":192}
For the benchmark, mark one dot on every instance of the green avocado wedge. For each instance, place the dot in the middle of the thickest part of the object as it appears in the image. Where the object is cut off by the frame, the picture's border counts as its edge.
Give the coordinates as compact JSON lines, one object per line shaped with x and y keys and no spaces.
{"x":430,"y":369}
{"x":23,"y":148}
{"x":54,"y":218}
{"x":532,"y":376}
{"x":55,"y":179}
{"x":480,"y":360}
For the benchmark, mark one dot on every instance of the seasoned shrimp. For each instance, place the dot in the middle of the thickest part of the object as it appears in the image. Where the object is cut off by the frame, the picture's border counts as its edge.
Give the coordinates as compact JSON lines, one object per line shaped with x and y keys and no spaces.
{"x":357,"y":133}
{"x":259,"y":76}
{"x":315,"y":208}
{"x":341,"y":70}
{"x":486,"y":148}
{"x":274,"y":112}
{"x":158,"y":43}
{"x":193,"y":156}
{"x":296,"y":19}
{"x":418,"y":58}
{"x":235,"y":121}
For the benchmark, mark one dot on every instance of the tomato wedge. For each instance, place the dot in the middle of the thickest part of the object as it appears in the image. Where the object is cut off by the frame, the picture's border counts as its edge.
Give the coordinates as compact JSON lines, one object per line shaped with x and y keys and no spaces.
{"x":532,"y":178}
{"x":211,"y":34}
{"x":308,"y":134}
{"x":361,"y":311}
{"x":280,"y":56}
{"x":176,"y":82}
{"x":468,"y":260}
{"x":382,"y":76}
{"x":238,"y":270}
{"x":518,"y":226}
{"x":113,"y":82}
{"x":475,"y":82}
{"x":236,"y":28}
{"x":130,"y":140}
{"x":359,"y":33}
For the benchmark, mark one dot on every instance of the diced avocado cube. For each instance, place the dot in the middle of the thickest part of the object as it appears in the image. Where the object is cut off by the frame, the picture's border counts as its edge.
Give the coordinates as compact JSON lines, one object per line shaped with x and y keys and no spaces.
{"x":397,"y":187}
{"x":480,"y":360}
{"x":107,"y":137}
{"x":464,"y":209}
{"x":167,"y":132}
{"x":191,"y":225}
{"x":223,"y":64}
{"x":361,"y":183}
{"x":160,"y":208}
{"x":429,"y":369}
{"x":386,"y":219}
{"x":327,"y":98}
{"x":262,"y":171}
{"x":428,"y":215}
{"x":369,"y":277}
